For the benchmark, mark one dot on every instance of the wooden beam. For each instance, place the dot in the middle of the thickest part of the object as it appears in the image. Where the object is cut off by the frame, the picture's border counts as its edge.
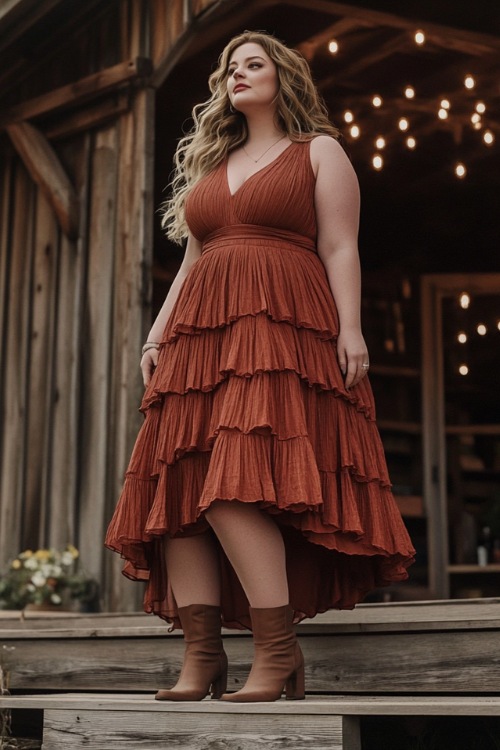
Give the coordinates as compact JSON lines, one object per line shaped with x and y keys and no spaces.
{"x":337,"y":29}
{"x":470,"y":42}
{"x":79,"y":91}
{"x":90,"y":117}
{"x":46,"y":170}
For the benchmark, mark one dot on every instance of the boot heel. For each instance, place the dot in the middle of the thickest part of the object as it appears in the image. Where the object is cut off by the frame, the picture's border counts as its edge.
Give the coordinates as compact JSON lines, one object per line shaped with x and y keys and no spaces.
{"x":295,"y":686}
{"x":219,"y":685}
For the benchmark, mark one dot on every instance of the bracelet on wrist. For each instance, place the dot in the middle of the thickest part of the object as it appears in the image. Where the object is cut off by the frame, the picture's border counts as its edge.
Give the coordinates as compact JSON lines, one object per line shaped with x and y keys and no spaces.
{"x":150,"y":345}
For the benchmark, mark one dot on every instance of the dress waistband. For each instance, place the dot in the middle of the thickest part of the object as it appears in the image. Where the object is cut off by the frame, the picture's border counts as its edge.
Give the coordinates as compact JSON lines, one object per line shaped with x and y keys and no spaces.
{"x":255,"y":231}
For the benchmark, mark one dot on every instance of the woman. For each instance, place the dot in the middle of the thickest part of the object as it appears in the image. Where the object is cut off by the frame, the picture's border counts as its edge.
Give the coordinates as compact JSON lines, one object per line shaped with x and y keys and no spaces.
{"x":257,"y":493}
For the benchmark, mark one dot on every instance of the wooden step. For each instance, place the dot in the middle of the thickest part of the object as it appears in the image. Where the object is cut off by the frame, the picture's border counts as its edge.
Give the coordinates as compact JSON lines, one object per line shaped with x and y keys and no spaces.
{"x":126,"y":722}
{"x":438,"y":647}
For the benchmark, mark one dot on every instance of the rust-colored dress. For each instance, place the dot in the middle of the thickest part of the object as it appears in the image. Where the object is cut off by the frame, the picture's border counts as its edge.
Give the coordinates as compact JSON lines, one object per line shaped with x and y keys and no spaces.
{"x":248,"y":403}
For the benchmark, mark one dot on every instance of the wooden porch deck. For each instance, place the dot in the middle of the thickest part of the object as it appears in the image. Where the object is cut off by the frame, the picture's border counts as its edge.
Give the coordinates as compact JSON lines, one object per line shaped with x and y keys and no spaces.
{"x":419,"y":658}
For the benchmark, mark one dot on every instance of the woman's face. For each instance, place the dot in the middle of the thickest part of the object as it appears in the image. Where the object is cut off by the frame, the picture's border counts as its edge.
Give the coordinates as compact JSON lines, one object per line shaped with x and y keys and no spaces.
{"x":252,"y":80}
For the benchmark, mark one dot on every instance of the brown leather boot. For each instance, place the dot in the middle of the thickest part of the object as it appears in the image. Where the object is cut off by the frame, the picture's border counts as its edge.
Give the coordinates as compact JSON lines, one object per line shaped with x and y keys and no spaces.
{"x":205,"y":662}
{"x":278,"y":659}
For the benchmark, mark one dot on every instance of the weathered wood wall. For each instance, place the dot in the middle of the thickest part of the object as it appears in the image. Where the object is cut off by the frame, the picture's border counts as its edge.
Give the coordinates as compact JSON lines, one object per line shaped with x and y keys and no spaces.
{"x":75,"y":310}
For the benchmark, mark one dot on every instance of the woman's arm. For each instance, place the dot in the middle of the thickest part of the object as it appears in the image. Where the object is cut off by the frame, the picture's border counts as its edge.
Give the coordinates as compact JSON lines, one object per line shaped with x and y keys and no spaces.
{"x":337,"y":204}
{"x":150,"y":358}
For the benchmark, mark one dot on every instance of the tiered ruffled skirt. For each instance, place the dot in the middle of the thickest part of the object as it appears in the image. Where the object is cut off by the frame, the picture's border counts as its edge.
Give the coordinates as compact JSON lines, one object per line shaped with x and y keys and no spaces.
{"x":248,"y":404}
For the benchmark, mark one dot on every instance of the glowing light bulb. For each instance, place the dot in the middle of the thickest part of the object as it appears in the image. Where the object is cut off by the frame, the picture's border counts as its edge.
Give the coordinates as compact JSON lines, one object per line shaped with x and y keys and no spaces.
{"x":480,"y":107}
{"x":463,"y":370}
{"x":403,"y":124}
{"x":411,"y":142}
{"x":377,"y":101}
{"x":348,"y":116}
{"x":460,"y":170}
{"x":476,"y":117}
{"x":355,"y":131}
{"x":498,"y":324}
{"x":333,"y":46}
{"x":443,"y":113}
{"x":488,"y":137}
{"x":462,"y":337}
{"x":464,"y":300}
{"x":444,"y":103}
{"x":419,"y":37}
{"x":380,"y":142}
{"x":409,"y":92}
{"x":377,"y":162}
{"x":469,"y":82}
{"x":481,"y":329}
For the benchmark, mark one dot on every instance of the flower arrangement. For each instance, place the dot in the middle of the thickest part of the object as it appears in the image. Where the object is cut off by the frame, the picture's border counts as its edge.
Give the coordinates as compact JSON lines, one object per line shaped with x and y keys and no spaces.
{"x":47,"y":576}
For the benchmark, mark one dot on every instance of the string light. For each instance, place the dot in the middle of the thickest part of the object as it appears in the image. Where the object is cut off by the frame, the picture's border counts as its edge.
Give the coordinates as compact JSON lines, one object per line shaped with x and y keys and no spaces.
{"x":443,"y":113}
{"x":403,"y":124}
{"x":481,"y":329}
{"x":463,"y":370}
{"x":488,"y":137}
{"x":409,"y":92}
{"x":348,"y":116}
{"x":411,"y":142}
{"x":444,"y":103}
{"x":460,"y":170}
{"x":377,"y":162}
{"x":419,"y":37}
{"x":481,"y":107}
{"x":476,"y":117}
{"x":498,"y":324}
{"x":464,"y":300}
{"x":377,"y":101}
{"x":355,"y":131}
{"x":380,"y":142}
{"x":469,"y":82}
{"x":462,"y":337}
{"x":333,"y":47}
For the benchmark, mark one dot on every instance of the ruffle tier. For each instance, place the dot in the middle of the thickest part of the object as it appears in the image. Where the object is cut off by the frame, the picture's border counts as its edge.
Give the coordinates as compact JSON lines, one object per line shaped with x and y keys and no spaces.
{"x":248,"y":404}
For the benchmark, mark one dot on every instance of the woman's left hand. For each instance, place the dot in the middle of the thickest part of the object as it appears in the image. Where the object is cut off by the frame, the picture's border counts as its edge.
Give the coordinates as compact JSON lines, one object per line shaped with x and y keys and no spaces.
{"x":352,"y":355}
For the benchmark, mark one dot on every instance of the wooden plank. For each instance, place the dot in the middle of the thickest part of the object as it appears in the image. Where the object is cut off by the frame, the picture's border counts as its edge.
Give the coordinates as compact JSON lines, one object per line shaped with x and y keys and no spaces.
{"x":90,"y":117}
{"x":406,"y":617}
{"x":110,"y":730}
{"x":43,"y":306}
{"x":47,"y":171}
{"x":97,"y":335}
{"x":78,"y":92}
{"x":131,"y":317}
{"x":433,"y":662}
{"x":341,"y":705}
{"x":65,"y":408}
{"x":16,"y":365}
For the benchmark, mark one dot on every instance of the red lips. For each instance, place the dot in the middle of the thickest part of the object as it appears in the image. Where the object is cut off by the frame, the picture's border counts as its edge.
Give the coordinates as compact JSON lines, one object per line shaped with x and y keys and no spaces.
{"x":240,"y":87}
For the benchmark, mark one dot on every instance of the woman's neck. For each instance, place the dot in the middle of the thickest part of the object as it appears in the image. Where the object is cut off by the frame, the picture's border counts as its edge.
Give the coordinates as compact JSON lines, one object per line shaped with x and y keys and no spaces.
{"x":262,"y":129}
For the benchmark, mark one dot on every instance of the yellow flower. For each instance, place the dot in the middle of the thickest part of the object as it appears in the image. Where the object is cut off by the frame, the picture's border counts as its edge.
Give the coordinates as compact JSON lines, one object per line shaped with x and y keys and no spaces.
{"x":26,"y":553}
{"x":16,"y":564}
{"x":73,"y":550}
{"x":42,"y":554}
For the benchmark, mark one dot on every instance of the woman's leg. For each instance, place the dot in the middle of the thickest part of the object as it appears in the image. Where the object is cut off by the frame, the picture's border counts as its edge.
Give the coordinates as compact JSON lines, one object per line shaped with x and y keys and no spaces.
{"x":193,"y":569}
{"x":255,"y":548}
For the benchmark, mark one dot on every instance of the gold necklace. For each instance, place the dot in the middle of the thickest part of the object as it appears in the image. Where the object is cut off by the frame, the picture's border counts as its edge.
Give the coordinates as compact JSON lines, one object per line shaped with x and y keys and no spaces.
{"x":265,"y":152}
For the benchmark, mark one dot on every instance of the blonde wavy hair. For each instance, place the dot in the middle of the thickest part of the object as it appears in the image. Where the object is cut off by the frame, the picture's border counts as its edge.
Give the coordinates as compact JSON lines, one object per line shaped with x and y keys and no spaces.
{"x":300,"y":113}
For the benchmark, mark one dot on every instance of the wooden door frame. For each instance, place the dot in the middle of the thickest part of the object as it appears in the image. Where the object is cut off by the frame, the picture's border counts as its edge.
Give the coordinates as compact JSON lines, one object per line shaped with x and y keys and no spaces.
{"x":434,"y":288}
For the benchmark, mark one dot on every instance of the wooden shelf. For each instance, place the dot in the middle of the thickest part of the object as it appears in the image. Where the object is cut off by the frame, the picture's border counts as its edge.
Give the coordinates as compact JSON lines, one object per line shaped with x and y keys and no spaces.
{"x":395,"y":371}
{"x":491,"y":568}
{"x":413,"y":428}
{"x":411,"y":506}
{"x":472,"y":429}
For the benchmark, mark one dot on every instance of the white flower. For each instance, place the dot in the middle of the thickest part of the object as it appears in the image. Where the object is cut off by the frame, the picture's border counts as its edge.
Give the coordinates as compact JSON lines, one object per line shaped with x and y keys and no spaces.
{"x":55,"y":599}
{"x":31,"y":563}
{"x":67,"y":558}
{"x":38,"y":579}
{"x":30,"y":587}
{"x":51,"y":571}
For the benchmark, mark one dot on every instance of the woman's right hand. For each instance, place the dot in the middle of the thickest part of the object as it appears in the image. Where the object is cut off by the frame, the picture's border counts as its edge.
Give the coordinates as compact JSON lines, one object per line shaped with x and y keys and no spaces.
{"x":149,"y":362}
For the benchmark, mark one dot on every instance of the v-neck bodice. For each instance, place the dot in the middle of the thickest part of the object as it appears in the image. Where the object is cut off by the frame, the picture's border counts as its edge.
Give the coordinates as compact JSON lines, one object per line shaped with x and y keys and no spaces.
{"x":279,"y":196}
{"x":270,"y":164}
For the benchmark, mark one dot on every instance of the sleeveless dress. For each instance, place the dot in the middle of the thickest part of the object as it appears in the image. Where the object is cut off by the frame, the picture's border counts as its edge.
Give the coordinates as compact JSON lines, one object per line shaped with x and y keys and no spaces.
{"x":248,"y":403}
